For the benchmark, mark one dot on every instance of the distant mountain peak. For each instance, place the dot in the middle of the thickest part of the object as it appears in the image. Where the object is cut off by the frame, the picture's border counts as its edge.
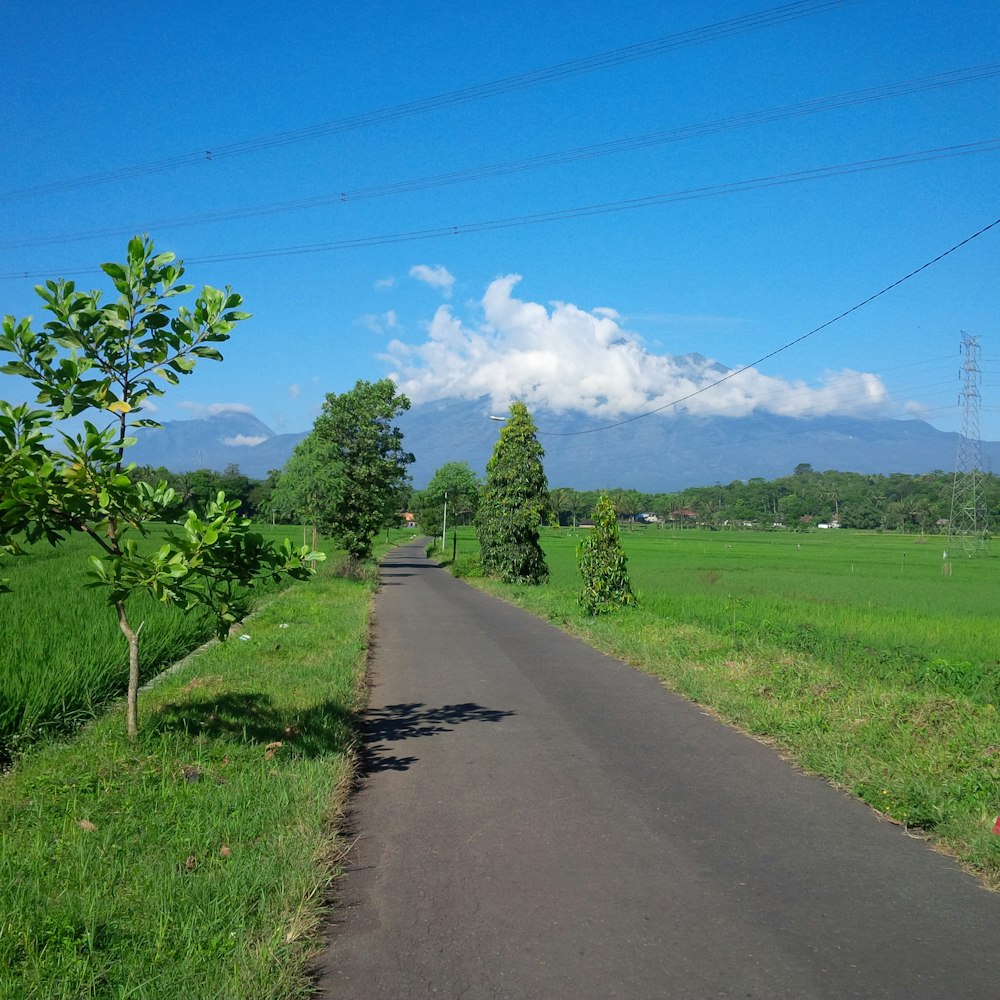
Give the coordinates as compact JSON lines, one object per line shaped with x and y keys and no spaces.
{"x":214,"y":441}
{"x":660,"y":453}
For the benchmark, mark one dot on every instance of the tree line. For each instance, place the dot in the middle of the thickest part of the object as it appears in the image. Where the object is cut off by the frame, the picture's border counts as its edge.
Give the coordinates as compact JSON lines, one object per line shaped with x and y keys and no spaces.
{"x":896,"y":502}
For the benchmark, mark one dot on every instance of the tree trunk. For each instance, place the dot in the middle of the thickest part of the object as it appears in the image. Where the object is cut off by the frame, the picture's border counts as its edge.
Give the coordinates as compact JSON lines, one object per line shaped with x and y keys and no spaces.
{"x":132,"y":714}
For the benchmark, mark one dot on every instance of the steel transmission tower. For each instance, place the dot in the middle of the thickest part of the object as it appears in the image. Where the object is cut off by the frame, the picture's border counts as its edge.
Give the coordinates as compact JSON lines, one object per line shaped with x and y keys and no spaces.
{"x":968,"y":521}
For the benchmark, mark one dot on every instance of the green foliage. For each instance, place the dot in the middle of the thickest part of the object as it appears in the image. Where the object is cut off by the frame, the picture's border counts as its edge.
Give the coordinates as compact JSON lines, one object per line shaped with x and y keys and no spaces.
{"x":897,"y":502}
{"x":105,"y":361}
{"x":603,"y":564}
{"x":513,"y":503}
{"x":349,"y":475}
{"x":308,"y":483}
{"x":457,"y":482}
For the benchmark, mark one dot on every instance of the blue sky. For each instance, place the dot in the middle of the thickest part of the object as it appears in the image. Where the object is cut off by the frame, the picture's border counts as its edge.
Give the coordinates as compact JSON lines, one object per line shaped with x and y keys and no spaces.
{"x":587,"y":311}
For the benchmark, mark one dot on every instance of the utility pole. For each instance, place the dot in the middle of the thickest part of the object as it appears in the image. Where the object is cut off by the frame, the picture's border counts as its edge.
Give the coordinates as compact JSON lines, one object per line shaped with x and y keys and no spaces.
{"x":967,"y":526}
{"x":444,"y":522}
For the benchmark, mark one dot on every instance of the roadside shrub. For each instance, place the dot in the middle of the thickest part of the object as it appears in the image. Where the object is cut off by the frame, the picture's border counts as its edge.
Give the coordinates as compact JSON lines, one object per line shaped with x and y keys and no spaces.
{"x":603,"y":564}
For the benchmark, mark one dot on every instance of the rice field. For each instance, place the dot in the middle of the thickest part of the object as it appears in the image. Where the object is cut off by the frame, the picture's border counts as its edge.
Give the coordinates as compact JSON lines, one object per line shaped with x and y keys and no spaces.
{"x":62,"y":655}
{"x":885,"y":604}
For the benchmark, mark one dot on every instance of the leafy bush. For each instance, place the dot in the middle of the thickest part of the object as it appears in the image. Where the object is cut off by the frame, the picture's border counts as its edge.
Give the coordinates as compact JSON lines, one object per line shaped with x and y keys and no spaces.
{"x":603,"y":564}
{"x":514,"y":501}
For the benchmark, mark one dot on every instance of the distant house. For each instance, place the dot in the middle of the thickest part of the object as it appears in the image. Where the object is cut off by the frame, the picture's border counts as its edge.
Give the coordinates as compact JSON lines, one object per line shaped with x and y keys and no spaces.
{"x":647,"y":517}
{"x":683,"y":516}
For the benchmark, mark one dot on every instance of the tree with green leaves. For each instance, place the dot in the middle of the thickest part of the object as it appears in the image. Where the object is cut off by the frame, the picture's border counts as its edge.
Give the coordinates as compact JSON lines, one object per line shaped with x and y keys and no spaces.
{"x":350,"y":473}
{"x":513,"y":503}
{"x":102,"y":362}
{"x":456,"y":482}
{"x":561,"y":500}
{"x":307,"y":486}
{"x":603,"y":564}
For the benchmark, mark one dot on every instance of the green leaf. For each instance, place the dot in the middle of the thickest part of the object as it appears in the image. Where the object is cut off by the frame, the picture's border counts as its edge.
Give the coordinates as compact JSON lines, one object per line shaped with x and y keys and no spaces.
{"x":114,"y":271}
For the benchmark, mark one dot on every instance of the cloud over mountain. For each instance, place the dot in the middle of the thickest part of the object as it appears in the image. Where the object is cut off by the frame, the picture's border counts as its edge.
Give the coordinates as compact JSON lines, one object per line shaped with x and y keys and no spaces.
{"x":200,"y":411}
{"x":563,"y":358}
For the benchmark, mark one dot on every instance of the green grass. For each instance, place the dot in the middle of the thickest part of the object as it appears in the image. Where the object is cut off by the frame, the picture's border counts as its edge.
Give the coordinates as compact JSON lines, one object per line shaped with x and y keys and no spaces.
{"x":854,"y":654}
{"x":62,"y":655}
{"x":194,"y":862}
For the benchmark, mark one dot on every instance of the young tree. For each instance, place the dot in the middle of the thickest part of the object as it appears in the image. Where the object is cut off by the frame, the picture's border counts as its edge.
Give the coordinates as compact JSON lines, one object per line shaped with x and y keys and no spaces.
{"x":307,"y":485}
{"x":352,"y":466}
{"x":457,"y":482}
{"x":603,"y":564}
{"x":513,"y":502}
{"x":103,"y":362}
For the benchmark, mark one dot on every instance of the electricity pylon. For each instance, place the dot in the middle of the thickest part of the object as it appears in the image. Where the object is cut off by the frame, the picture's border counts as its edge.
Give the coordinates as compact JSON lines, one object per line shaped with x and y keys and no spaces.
{"x":967,"y":531}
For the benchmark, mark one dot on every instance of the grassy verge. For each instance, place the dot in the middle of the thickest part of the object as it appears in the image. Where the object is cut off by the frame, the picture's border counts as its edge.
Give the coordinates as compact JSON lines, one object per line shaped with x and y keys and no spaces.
{"x":920,"y":746}
{"x":62,"y":655}
{"x":192,"y":863}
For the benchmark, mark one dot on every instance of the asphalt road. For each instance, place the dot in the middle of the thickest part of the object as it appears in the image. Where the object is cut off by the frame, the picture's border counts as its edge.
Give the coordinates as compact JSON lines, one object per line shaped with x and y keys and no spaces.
{"x":539,"y":821}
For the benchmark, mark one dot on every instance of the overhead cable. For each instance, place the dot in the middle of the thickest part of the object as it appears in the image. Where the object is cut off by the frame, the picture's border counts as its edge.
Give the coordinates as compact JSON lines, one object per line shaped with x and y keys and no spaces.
{"x":576,"y":67}
{"x":606,"y":208}
{"x":558,"y":158}
{"x":784,"y":347}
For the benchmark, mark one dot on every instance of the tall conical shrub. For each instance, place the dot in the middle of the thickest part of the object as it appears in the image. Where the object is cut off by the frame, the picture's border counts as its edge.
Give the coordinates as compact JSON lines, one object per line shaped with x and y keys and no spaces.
{"x":603,"y":564}
{"x":513,"y":502}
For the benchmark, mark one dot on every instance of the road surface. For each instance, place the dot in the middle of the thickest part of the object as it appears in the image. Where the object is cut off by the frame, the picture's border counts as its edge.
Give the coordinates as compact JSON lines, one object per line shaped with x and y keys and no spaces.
{"x":538,"y":821}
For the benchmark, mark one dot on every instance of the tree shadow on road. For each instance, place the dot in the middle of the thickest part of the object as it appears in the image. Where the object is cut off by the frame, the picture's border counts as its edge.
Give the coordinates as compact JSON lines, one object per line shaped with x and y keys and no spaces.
{"x":413,"y":720}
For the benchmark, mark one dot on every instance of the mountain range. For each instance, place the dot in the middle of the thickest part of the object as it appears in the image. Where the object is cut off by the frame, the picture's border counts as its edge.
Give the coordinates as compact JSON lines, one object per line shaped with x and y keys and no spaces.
{"x":659,"y":453}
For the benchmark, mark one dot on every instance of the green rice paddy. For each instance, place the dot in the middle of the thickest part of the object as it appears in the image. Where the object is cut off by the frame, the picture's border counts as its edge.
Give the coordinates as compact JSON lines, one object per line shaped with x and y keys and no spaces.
{"x":62,"y":655}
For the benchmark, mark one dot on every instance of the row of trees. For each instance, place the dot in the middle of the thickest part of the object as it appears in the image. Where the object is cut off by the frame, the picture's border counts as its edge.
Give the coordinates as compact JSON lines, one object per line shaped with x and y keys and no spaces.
{"x":199,"y":487}
{"x":864,"y":502}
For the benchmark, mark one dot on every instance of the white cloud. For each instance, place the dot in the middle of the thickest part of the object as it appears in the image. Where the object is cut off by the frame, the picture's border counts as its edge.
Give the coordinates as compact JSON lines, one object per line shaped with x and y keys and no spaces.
{"x":380,"y":324}
{"x":294,"y":390}
{"x":437,"y":277}
{"x":561,"y":357}
{"x":244,"y":440}
{"x":385,"y":282}
{"x":201,"y":410}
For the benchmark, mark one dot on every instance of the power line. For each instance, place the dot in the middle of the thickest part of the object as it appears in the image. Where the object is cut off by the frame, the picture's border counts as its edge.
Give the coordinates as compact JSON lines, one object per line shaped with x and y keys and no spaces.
{"x":576,"y":67}
{"x":606,"y":208}
{"x":784,"y":347}
{"x":558,"y":158}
